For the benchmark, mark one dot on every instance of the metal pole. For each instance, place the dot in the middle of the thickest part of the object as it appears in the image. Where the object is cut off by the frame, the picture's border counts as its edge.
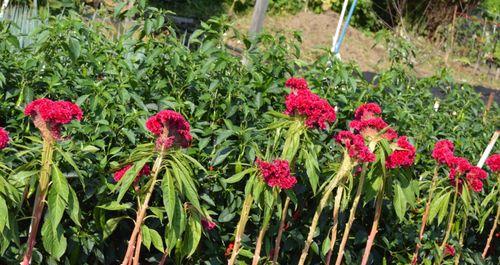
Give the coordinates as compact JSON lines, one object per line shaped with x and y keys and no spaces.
{"x":259,"y":13}
{"x":344,"y":30}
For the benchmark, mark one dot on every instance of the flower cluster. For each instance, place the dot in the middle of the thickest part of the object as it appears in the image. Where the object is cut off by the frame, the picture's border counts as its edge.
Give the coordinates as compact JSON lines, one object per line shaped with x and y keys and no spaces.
{"x":4,"y":138}
{"x":297,"y":83}
{"x":369,"y":124}
{"x":171,"y":129}
{"x":207,"y":224}
{"x":443,"y":153}
{"x":355,"y":145}
{"x":277,"y":173}
{"x":302,"y":102}
{"x":403,"y":156}
{"x":145,"y":171}
{"x":449,"y":250}
{"x":49,"y":115}
{"x":493,"y":162}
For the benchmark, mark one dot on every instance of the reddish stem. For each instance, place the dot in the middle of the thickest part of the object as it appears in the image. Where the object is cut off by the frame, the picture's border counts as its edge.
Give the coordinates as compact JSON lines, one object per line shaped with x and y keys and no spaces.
{"x":373,"y":232}
{"x":277,"y":243}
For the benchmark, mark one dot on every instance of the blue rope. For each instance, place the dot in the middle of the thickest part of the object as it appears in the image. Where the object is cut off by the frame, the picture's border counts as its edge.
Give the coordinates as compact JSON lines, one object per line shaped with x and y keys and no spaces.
{"x":346,"y":25}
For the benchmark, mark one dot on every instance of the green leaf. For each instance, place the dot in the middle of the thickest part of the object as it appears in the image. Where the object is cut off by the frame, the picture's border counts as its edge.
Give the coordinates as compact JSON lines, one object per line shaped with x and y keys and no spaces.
{"x":239,"y":176}
{"x":115,"y":206}
{"x":169,"y":195}
{"x":70,"y":161}
{"x":53,"y":241}
{"x":193,"y":236}
{"x":312,"y":168}
{"x":60,"y":183}
{"x":4,"y":214}
{"x":74,"y":48}
{"x":111,"y":225}
{"x":56,"y":206}
{"x":73,"y":208}
{"x":146,"y":236}
{"x":157,"y":240}
{"x":399,"y":201}
{"x":129,"y":177}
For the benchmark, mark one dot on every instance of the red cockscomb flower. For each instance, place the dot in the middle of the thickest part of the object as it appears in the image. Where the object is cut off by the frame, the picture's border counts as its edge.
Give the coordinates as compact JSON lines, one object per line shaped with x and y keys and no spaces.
{"x":145,"y":171}
{"x":277,"y":173}
{"x":449,"y":250}
{"x":4,"y":138}
{"x":296,"y":83}
{"x":355,"y":145}
{"x":443,"y":151}
{"x":493,"y":162}
{"x":171,"y":129}
{"x":318,"y":111}
{"x":207,"y":224}
{"x":369,"y":124}
{"x":475,"y":178}
{"x":403,"y":156}
{"x":48,"y":116}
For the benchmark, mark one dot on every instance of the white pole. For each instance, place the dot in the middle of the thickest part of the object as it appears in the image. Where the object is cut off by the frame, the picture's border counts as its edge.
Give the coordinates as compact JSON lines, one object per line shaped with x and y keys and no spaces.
{"x":339,"y":25}
{"x":4,"y":6}
{"x":488,"y":149}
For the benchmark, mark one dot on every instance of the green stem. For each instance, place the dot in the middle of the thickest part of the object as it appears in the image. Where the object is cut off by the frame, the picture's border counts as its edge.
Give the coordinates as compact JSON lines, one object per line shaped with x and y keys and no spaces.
{"x":450,"y":224}
{"x":240,"y":228}
{"x":495,"y":223}
{"x":41,"y":193}
{"x":262,"y":233}
{"x":352,"y":214}
{"x":343,"y":170}
{"x":462,"y":235}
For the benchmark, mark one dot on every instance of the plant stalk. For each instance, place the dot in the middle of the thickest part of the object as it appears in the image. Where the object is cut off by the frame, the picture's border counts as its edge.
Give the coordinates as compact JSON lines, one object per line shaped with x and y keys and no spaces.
{"x":262,"y":233}
{"x":492,"y":231}
{"x":142,"y":209}
{"x":425,"y":216}
{"x":462,"y":235}
{"x":450,"y":225}
{"x":352,"y":214}
{"x":336,"y":208}
{"x":137,"y":249}
{"x":43,"y":186}
{"x":240,"y":228}
{"x":376,"y":219}
{"x":277,"y":242}
{"x":164,"y":257}
{"x":343,"y":170}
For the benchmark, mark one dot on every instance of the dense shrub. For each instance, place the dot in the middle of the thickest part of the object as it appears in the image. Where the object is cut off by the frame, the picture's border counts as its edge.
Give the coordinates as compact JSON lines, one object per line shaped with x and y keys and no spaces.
{"x":120,"y":82}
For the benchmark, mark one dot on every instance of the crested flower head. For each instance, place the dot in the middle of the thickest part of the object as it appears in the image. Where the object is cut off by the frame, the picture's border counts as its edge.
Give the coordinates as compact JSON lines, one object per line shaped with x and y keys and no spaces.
{"x":403,"y":156}
{"x":443,"y":151}
{"x":4,"y":138}
{"x":317,"y":111}
{"x":370,"y":125}
{"x":475,"y":178}
{"x":296,"y":83}
{"x":171,"y":129}
{"x":145,"y":171}
{"x":277,"y":173}
{"x":493,"y":162}
{"x":48,"y":116}
{"x":355,"y":145}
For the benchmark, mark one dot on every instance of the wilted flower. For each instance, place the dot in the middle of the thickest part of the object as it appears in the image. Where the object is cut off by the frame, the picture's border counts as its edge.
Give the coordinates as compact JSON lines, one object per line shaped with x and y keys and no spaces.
{"x":145,"y":171}
{"x":277,"y":173}
{"x":493,"y":162}
{"x":317,"y":111}
{"x":403,"y":156}
{"x":48,"y":116}
{"x":4,"y":138}
{"x":171,"y":129}
{"x":207,"y":224}
{"x":296,"y":83}
{"x":355,"y":145}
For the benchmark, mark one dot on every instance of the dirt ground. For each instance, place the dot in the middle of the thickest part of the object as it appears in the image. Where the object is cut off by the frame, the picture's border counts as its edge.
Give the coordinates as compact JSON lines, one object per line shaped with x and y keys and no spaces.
{"x":318,"y":29}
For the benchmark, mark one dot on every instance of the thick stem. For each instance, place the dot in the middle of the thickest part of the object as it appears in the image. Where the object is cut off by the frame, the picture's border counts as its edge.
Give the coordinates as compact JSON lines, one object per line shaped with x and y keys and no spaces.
{"x":425,"y":216}
{"x":343,"y":170}
{"x":462,"y":235}
{"x":352,"y":214}
{"x":43,"y":186}
{"x":277,"y":242}
{"x":240,"y":228}
{"x":336,"y":208}
{"x":137,"y":249}
{"x":142,"y":209}
{"x":262,"y":233}
{"x":164,"y":257}
{"x":450,"y":225}
{"x":373,"y":232}
{"x":492,"y":231}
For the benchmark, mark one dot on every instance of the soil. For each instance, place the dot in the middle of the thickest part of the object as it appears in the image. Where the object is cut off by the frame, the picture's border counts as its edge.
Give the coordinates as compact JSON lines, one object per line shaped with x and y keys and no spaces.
{"x":317,"y":31}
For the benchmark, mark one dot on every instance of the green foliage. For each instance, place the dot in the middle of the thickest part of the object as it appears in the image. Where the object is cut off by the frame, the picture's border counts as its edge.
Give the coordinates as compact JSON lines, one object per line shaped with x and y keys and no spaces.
{"x":121,"y":81}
